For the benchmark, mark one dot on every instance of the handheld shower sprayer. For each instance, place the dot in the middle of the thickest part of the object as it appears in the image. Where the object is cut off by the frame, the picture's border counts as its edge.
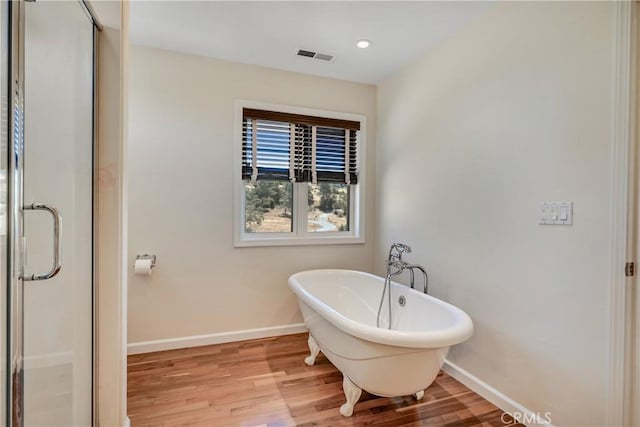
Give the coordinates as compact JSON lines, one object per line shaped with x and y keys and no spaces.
{"x":395,"y":266}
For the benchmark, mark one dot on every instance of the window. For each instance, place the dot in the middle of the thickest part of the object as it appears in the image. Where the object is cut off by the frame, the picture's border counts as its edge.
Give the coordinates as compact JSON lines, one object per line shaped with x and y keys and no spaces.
{"x":298,"y":176}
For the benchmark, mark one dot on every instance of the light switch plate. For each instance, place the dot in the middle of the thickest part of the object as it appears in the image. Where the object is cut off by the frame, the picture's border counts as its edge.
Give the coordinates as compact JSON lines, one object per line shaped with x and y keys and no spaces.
{"x":555,"y":213}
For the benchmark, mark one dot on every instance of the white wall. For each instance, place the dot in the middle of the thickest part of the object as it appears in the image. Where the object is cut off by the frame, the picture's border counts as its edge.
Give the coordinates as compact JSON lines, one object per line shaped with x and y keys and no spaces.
{"x":180,"y":204}
{"x":513,"y":110}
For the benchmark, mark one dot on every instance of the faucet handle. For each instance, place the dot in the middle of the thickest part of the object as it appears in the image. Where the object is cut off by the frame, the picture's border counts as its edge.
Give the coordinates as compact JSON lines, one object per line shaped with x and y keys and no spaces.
{"x":396,"y":262}
{"x":401,"y":247}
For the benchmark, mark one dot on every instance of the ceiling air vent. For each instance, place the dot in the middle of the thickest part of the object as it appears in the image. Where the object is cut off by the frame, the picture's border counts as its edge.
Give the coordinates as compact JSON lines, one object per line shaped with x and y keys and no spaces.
{"x":306,"y":53}
{"x":323,"y":57}
{"x":315,"y":55}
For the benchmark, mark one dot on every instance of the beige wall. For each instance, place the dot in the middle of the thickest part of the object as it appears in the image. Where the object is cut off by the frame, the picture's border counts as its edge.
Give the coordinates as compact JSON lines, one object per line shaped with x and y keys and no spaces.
{"x":180,"y":204}
{"x":513,"y":110}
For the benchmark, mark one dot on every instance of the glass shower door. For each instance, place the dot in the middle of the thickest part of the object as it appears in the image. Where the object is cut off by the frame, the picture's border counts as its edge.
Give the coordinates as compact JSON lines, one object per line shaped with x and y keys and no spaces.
{"x":4,"y":189}
{"x":50,"y":232}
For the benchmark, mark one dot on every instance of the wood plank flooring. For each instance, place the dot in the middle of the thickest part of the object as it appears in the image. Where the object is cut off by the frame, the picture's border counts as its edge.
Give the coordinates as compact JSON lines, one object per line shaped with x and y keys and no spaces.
{"x":265,"y":382}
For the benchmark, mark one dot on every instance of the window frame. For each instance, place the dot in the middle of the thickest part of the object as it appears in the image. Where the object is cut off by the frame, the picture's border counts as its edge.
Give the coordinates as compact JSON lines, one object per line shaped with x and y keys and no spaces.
{"x":299,"y":235}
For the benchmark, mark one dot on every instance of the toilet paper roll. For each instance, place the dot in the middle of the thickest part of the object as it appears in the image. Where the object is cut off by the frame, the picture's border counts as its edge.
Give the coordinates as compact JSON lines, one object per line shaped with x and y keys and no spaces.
{"x":142,"y":266}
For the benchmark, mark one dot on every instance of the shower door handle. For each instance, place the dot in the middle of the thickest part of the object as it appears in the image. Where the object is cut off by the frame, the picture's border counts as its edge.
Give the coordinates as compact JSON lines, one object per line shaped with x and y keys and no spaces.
{"x":57,"y":246}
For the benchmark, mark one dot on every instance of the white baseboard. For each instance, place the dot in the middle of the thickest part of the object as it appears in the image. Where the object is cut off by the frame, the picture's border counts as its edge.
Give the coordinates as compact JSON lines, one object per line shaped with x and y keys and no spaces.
{"x":127,"y":422}
{"x":499,"y":399}
{"x":217,"y":338}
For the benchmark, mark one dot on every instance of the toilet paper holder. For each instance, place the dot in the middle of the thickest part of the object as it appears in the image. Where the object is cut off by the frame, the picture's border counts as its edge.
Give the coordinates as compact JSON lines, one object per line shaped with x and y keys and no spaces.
{"x":147,"y":256}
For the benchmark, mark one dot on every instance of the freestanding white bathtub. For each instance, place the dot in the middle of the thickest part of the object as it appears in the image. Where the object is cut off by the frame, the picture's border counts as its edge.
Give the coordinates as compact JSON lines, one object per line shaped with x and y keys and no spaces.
{"x":340,"y":309}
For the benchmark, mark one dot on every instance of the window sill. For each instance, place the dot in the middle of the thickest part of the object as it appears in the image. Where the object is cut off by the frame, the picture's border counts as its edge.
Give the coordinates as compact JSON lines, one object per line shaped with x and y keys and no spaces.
{"x":247,"y":241}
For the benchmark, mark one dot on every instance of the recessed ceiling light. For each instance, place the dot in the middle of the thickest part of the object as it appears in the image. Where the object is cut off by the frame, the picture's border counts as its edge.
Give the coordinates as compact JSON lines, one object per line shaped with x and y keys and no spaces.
{"x":363,"y":43}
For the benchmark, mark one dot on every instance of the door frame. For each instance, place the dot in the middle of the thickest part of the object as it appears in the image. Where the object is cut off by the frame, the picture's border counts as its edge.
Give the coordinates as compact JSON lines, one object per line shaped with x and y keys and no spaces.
{"x":632,"y":362}
{"x":623,"y":337}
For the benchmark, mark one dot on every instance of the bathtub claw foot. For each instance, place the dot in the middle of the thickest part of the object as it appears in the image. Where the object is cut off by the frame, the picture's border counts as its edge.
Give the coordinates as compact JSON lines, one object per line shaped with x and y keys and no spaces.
{"x":352,"y":392}
{"x":315,"y":350}
{"x":419,"y":395}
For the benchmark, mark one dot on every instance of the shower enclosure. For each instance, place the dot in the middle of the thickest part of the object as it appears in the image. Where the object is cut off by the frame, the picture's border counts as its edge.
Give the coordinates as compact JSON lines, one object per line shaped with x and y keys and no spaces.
{"x":47,"y":75}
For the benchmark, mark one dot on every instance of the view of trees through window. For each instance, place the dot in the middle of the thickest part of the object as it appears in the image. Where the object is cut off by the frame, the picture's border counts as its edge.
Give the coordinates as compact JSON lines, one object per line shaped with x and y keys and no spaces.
{"x":269,"y":207}
{"x":328,"y":207}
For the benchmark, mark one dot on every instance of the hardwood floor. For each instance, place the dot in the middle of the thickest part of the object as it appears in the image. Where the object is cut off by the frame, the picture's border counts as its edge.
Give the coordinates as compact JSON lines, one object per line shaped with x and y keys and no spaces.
{"x":265,"y":382}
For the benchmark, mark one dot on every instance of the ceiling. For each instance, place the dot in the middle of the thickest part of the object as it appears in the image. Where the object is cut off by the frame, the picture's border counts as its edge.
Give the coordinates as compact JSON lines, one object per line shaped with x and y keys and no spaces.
{"x":270,"y":33}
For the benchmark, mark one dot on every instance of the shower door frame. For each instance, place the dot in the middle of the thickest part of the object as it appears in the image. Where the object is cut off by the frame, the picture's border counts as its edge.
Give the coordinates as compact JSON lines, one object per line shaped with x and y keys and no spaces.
{"x":12,"y":14}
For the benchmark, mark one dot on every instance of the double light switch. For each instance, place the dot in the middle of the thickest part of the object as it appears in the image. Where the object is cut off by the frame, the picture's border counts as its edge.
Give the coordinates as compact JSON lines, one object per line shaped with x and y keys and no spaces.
{"x":555,"y":213}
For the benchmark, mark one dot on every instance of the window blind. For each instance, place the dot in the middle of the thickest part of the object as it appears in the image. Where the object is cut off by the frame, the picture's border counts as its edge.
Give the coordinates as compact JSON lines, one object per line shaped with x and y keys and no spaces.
{"x":299,"y":148}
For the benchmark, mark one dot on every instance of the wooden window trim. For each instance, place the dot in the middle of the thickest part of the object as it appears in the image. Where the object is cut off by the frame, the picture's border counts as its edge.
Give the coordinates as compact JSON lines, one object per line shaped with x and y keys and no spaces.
{"x":252,"y":113}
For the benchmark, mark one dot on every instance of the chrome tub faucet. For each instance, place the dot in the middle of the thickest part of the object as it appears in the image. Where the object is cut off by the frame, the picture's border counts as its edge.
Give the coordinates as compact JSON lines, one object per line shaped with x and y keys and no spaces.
{"x":395,"y":261}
